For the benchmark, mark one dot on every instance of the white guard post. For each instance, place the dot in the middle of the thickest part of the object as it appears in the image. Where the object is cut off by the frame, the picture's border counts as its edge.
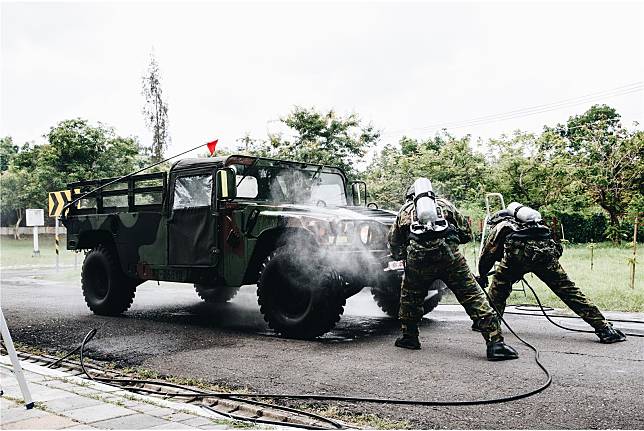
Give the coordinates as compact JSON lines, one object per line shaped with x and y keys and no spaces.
{"x":36,"y":245}
{"x":35,"y":218}
{"x":17,"y":369}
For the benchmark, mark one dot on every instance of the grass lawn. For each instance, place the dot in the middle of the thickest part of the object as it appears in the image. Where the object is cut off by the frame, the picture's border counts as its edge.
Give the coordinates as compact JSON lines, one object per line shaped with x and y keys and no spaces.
{"x":19,"y":252}
{"x":607,"y":284}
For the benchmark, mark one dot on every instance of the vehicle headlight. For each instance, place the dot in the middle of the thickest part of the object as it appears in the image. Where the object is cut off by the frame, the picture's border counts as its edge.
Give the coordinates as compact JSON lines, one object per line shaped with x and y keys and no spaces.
{"x":345,"y":232}
{"x":365,"y":233}
{"x":322,"y":230}
{"x":372,"y":235}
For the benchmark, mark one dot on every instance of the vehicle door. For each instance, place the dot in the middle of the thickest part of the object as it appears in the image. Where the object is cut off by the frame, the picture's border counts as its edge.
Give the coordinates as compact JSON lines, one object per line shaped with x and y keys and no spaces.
{"x":192,"y":224}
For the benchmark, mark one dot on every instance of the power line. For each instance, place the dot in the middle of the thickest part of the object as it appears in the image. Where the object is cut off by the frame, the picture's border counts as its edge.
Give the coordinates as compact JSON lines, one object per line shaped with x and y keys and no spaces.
{"x":539,"y":108}
{"x":533,"y":110}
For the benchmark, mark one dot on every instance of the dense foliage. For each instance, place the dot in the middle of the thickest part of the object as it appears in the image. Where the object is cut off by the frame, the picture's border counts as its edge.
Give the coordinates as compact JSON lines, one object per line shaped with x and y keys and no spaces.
{"x":581,"y":171}
{"x":75,"y":151}
{"x":587,"y":173}
{"x":324,"y":138}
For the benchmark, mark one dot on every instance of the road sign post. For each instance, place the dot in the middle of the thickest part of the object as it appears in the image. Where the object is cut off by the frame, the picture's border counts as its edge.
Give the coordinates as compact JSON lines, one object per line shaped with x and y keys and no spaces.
{"x":35,"y":218}
{"x":57,"y":201}
{"x":57,"y":245}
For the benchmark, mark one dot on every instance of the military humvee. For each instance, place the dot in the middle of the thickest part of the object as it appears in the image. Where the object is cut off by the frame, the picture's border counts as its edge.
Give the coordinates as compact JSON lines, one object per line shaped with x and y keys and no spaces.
{"x":300,"y":231}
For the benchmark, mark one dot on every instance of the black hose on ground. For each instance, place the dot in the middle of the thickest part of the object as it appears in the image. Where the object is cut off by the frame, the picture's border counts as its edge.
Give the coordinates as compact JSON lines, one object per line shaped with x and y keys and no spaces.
{"x":58,"y":361}
{"x":197,"y":394}
{"x":561,"y":316}
{"x":543,"y":311}
{"x":232,"y":395}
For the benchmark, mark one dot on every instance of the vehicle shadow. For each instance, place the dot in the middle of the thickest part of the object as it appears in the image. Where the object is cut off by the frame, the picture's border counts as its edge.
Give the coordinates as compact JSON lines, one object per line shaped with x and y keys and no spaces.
{"x":240,"y":317}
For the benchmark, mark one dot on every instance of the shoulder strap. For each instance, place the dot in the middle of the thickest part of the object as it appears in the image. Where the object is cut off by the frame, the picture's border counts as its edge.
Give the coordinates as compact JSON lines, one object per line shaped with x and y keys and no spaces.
{"x":516,"y":210}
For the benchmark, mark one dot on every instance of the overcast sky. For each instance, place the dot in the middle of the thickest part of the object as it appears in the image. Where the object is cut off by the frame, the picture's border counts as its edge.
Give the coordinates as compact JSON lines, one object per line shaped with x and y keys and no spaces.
{"x":232,"y":68}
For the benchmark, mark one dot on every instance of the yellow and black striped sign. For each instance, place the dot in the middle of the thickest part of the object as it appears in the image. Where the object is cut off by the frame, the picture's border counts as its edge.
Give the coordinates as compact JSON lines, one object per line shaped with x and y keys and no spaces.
{"x":57,"y":200}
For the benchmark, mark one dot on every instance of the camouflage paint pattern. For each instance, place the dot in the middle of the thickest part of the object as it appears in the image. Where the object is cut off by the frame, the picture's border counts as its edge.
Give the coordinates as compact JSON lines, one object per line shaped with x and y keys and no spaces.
{"x":143,"y":241}
{"x":541,"y":257}
{"x":439,"y":259}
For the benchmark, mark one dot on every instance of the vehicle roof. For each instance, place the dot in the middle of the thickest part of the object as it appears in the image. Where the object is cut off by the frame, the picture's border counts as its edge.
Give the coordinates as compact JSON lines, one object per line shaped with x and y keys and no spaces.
{"x":216,"y":162}
{"x":200,"y":162}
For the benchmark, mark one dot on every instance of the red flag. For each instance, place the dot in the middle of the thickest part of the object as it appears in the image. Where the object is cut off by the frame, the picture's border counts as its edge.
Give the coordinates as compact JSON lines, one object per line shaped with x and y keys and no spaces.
{"x":212,"y":145}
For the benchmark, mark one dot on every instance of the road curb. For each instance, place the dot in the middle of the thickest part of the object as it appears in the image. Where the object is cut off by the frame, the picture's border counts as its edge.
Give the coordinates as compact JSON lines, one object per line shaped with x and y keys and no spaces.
{"x":111,"y":390}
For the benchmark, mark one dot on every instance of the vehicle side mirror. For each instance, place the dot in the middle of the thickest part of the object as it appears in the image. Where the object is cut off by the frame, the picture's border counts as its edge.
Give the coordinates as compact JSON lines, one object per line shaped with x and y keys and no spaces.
{"x":226,"y":184}
{"x":359,"y":193}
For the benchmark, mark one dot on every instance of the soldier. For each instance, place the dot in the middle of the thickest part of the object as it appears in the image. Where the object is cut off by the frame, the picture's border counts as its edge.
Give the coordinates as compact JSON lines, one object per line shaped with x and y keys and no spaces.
{"x":520,"y":241}
{"x":430,"y":251}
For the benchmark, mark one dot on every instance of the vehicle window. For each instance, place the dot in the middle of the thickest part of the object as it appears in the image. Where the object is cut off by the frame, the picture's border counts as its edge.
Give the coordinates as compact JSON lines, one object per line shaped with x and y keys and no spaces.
{"x":288,"y":184}
{"x":192,"y":191}
{"x":331,"y":194}
{"x":247,"y":188}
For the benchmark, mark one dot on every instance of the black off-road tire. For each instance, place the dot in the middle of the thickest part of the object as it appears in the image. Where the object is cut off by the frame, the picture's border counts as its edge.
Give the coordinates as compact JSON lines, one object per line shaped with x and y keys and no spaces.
{"x":107,"y":291}
{"x":387,"y":295}
{"x":216,"y":294}
{"x":298,"y":295}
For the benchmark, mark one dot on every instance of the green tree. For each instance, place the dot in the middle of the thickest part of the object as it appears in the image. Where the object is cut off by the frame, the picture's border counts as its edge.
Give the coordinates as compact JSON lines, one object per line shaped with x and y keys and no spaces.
{"x":75,"y":151}
{"x":324,"y":138}
{"x":155,"y":110}
{"x":609,"y":160}
{"x":7,"y":152}
{"x":17,"y":194}
{"x":522,"y":172}
{"x":456,"y":171}
{"x":389,"y":176}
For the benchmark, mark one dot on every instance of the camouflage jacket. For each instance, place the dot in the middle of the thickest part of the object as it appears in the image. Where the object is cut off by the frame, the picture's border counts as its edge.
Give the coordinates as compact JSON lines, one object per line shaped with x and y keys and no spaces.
{"x":398,"y":238}
{"x":494,"y":245}
{"x":500,"y":229}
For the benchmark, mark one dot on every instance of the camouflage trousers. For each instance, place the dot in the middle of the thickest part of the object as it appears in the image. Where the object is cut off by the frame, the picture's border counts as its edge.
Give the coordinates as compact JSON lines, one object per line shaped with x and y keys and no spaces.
{"x":541,"y":257}
{"x":440,"y":260}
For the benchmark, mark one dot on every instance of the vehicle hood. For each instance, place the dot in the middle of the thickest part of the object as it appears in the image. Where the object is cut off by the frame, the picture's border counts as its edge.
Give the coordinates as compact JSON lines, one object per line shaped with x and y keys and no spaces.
{"x":331,"y":214}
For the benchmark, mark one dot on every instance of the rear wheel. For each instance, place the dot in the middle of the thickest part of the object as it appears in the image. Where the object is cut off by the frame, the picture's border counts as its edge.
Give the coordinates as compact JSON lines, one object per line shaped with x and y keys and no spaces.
{"x":387,"y":294}
{"x":106,"y":289}
{"x":298,"y":295}
{"x":216,"y":294}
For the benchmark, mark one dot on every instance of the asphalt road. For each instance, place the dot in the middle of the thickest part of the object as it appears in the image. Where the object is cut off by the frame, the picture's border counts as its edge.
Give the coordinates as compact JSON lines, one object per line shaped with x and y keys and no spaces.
{"x":169,"y":330}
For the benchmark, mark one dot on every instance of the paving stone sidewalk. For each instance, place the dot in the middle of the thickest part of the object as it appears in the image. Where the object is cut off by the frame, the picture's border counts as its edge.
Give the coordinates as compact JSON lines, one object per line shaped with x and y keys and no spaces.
{"x":63,"y":401}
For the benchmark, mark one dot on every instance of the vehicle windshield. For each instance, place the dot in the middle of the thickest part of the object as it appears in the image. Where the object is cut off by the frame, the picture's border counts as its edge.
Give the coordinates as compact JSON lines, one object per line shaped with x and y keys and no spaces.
{"x":286,"y":183}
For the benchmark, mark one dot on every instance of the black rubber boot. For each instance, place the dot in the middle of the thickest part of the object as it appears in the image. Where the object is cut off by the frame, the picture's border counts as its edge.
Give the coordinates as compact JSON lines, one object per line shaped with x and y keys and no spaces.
{"x":409,"y":338}
{"x":609,"y":335}
{"x":476,"y":326}
{"x":407,"y":341}
{"x":499,"y":351}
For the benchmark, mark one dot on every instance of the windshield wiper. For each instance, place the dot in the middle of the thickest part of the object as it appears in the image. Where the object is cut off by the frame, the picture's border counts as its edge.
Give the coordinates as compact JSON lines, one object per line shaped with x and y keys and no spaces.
{"x":317,"y":172}
{"x":248,"y":170}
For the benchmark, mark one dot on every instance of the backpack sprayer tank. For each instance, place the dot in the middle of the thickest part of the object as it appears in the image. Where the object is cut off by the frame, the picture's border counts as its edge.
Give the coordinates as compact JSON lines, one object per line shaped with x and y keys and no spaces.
{"x":523,"y":213}
{"x":429,"y":217}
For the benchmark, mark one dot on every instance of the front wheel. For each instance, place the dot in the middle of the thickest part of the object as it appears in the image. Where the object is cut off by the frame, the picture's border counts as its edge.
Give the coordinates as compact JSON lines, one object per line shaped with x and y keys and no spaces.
{"x":298,"y":295}
{"x":387,"y":294}
{"x":106,"y":289}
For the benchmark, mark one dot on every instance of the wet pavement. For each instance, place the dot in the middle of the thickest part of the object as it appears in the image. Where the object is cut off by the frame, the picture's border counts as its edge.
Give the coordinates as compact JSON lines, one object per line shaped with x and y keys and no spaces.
{"x":169,"y":330}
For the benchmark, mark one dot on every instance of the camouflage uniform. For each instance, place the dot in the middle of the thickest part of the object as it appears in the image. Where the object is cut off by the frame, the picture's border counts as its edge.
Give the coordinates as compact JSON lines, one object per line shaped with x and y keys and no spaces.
{"x":517,"y":257}
{"x":439,"y":258}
